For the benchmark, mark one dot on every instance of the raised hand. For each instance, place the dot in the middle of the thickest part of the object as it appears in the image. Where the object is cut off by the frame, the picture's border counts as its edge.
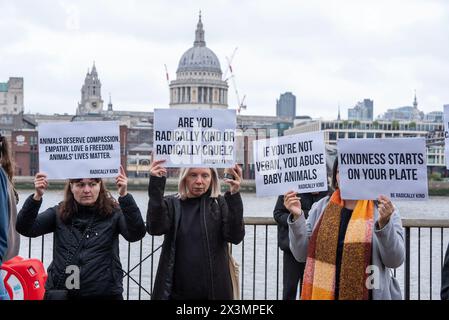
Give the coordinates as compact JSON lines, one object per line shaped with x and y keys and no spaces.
{"x":122,"y":183}
{"x":40,"y":185}
{"x":234,"y":184}
{"x":293,"y":204}
{"x":385,"y":209}
{"x":157,"y":169}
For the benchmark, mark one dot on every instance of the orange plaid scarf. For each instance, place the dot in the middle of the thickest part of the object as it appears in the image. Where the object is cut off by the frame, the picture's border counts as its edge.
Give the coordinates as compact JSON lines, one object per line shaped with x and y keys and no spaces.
{"x":319,"y":274}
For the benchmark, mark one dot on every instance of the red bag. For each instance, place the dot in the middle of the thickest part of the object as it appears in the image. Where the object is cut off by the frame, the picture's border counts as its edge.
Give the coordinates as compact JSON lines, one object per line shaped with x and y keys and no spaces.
{"x":24,"y":278}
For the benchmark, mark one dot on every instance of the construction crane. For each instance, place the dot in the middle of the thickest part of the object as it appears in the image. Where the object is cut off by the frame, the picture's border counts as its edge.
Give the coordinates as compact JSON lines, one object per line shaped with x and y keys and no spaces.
{"x":166,"y":75}
{"x":241,"y":104}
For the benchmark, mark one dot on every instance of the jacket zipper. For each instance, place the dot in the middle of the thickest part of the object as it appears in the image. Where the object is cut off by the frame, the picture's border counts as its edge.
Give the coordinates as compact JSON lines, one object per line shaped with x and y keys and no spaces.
{"x":208,"y":251}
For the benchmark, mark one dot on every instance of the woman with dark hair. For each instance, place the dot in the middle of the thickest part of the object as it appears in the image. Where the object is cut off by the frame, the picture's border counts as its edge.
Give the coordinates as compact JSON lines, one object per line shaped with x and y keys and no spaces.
{"x":86,"y":227}
{"x":349,"y":246}
{"x":9,"y":238}
{"x":198,"y":223}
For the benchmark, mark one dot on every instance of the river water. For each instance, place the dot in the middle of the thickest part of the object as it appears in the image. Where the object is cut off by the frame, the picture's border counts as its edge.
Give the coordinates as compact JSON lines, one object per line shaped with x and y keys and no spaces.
{"x":261,"y":270}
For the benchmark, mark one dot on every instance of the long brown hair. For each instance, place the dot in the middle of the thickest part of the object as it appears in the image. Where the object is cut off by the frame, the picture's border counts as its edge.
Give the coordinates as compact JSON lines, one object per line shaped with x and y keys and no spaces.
{"x":334,"y":184}
{"x":104,"y":206}
{"x":5,"y":158}
{"x":7,"y":163}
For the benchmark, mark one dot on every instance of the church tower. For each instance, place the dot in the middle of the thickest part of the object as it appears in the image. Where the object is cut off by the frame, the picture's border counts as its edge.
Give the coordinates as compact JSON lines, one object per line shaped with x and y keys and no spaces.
{"x":91,"y":102}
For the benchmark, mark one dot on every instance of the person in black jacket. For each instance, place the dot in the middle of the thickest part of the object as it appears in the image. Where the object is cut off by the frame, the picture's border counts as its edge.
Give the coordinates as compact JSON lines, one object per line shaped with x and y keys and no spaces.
{"x":198,"y":223}
{"x":293,"y":270}
{"x":88,"y":211}
{"x":445,"y":277}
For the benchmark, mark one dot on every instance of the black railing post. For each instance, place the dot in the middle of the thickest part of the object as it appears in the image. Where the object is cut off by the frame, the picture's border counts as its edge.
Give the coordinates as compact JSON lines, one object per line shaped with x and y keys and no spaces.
{"x":419,"y":263}
{"x":42,"y":249}
{"x":277,"y":271}
{"x":243,"y":269}
{"x":407,"y":264}
{"x":152,"y":264}
{"x":254,"y":264}
{"x":266,"y":260}
{"x":430,"y":270}
{"x":129,"y":266}
{"x":140,"y":269}
{"x":29,"y":248}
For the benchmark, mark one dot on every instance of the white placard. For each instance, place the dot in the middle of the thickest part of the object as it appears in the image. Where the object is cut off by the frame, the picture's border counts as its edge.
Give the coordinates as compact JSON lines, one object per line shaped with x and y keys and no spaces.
{"x":195,"y":138}
{"x":446,"y":134}
{"x":295,"y":162}
{"x":395,"y":167}
{"x":72,"y":150}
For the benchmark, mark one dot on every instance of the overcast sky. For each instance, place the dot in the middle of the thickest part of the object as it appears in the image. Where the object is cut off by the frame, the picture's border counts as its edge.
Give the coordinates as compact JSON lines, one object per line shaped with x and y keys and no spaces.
{"x":326,"y":52}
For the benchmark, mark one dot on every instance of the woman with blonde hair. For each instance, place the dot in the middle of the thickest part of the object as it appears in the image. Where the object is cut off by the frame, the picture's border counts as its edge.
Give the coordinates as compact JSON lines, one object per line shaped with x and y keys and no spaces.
{"x":198,"y":223}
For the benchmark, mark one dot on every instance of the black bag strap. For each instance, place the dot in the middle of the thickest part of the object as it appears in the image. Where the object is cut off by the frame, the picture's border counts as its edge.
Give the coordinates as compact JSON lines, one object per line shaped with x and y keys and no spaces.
{"x":77,"y":250}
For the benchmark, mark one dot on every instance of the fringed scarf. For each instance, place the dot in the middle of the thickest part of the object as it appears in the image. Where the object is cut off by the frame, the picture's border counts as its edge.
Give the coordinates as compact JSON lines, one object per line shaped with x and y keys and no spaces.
{"x":319,"y":274}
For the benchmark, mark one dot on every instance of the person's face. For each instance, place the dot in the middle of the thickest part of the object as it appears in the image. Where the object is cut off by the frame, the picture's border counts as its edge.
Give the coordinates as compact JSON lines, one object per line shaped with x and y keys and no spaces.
{"x":198,"y":181}
{"x":86,"y":191}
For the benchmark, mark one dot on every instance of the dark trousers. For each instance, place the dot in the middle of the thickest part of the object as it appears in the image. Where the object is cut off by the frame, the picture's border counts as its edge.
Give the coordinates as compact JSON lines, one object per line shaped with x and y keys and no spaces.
{"x":292,"y":273}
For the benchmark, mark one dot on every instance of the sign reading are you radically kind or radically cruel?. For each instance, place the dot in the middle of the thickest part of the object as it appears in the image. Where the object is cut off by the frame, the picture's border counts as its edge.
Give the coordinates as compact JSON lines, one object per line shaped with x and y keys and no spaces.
{"x":194,"y":138}
{"x":295,"y":162}
{"x":446,"y":134}
{"x":395,"y":167}
{"x":88,"y":149}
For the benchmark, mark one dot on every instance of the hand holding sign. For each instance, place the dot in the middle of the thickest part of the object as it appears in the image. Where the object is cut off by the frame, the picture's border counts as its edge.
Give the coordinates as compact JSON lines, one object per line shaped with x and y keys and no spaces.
{"x":293,"y":204}
{"x":234,"y":184}
{"x":386,"y":209}
{"x":40,"y":185}
{"x":157,"y":169}
{"x":122,"y":183}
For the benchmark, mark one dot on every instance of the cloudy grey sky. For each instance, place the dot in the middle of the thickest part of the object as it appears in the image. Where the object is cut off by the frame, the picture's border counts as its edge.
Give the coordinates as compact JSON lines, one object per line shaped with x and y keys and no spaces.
{"x":326,"y":52}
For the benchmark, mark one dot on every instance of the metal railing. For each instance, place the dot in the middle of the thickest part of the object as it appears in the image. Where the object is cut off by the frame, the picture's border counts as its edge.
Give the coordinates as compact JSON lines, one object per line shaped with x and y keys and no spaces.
{"x":261,"y":265}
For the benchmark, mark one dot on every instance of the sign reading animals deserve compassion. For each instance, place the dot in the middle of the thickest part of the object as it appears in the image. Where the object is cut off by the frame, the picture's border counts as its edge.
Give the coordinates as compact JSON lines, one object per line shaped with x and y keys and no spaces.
{"x":194,"y":138}
{"x":295,"y":162}
{"x":446,"y":134}
{"x":71,"y":150}
{"x":395,"y":167}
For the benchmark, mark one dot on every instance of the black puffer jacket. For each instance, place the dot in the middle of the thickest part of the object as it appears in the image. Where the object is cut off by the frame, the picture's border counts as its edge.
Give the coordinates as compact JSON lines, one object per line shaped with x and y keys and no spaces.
{"x":99,"y":260}
{"x":221,"y":222}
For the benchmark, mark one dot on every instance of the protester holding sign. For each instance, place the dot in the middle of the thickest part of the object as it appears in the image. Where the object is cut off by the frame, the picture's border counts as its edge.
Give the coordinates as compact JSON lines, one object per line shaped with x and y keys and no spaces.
{"x":198,"y":223}
{"x":293,"y":271}
{"x":349,"y":246}
{"x":86,"y":227}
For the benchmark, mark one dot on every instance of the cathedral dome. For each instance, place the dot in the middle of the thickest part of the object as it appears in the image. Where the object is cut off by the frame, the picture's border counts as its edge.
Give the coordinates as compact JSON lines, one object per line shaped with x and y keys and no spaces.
{"x":199,"y":83}
{"x":199,"y":57}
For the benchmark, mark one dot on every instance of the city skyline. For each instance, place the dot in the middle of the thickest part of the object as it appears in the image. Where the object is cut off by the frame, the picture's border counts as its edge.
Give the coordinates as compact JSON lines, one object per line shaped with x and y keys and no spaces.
{"x":327,"y":53}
